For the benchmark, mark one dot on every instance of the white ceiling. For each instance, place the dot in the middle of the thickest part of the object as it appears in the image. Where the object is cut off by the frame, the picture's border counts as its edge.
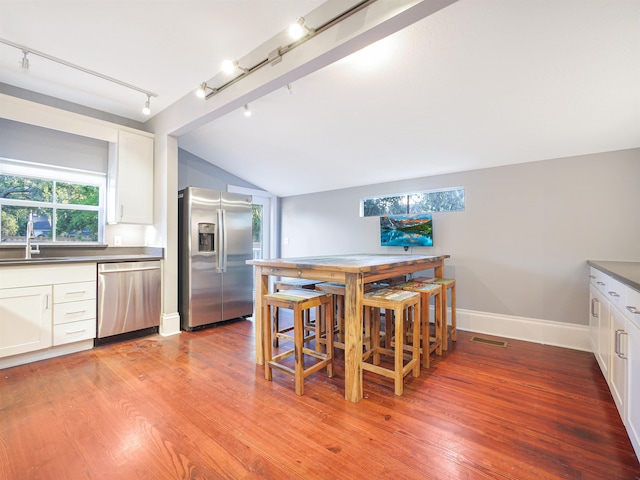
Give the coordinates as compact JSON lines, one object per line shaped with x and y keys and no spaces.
{"x":480,"y":83}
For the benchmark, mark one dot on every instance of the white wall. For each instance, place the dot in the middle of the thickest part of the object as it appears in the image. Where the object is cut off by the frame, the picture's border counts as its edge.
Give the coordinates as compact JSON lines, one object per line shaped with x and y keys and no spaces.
{"x":520,"y":247}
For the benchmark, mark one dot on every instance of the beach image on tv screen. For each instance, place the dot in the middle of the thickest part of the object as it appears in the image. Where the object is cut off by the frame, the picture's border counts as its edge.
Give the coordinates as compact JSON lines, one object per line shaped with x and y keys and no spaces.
{"x":406,"y":231}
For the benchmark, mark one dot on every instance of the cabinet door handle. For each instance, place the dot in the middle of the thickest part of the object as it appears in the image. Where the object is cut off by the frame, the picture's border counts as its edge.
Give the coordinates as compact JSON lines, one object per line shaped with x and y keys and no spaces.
{"x":76,"y":312}
{"x":619,"y":333}
{"x":614,"y":294}
{"x":592,"y":276}
{"x":633,"y":309}
{"x":79,"y":292}
{"x":601,"y":283}
{"x":76,"y":332}
{"x":594,"y":314}
{"x":46,"y":302}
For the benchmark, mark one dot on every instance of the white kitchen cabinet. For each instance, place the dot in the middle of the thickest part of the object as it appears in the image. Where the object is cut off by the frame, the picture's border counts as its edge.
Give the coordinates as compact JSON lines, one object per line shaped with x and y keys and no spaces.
{"x":619,"y":355}
{"x":131,"y":179}
{"x":620,"y":304}
{"x":25,"y":319}
{"x":633,"y":388}
{"x":44,"y":306}
{"x":600,"y":322}
{"x":600,"y":329}
{"x":632,"y":311}
{"x":74,"y":312}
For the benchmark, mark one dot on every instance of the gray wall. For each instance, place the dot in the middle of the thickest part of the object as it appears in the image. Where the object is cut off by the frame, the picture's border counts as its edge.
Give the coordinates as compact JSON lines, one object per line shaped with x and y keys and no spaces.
{"x":521,"y":245}
{"x":20,"y":141}
{"x":193,"y":171}
{"x":68,"y":106}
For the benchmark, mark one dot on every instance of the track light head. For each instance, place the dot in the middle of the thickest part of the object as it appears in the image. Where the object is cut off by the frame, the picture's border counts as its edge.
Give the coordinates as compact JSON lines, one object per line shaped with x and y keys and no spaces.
{"x":201,"y":92}
{"x":229,"y":66}
{"x":147,"y":106}
{"x":247,"y":112}
{"x":299,"y":29}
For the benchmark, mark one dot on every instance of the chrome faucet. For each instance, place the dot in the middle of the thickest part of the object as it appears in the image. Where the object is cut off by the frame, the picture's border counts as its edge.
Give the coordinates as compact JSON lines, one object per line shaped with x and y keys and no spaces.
{"x":30,"y":235}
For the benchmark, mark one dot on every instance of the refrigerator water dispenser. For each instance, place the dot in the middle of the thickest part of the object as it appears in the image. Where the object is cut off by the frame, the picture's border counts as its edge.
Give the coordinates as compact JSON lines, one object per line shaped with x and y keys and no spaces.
{"x":206,"y":237}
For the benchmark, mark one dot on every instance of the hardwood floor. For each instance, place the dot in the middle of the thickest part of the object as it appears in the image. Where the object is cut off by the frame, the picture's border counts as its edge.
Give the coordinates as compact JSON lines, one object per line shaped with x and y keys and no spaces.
{"x":195,"y":406}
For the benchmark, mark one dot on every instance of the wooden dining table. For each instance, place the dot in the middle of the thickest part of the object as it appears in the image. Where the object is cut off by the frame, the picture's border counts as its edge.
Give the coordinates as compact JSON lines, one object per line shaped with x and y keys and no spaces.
{"x":354,"y":271}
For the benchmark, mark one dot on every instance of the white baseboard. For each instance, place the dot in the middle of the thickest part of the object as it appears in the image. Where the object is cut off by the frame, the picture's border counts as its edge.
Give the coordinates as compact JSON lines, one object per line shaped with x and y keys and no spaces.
{"x":567,"y":335}
{"x":45,"y":354}
{"x":170,"y":324}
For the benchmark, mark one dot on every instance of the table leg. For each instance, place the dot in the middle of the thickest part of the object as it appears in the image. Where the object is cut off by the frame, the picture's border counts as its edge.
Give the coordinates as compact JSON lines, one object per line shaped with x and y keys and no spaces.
{"x":353,"y":337}
{"x":262,"y":287}
{"x":438,"y":270}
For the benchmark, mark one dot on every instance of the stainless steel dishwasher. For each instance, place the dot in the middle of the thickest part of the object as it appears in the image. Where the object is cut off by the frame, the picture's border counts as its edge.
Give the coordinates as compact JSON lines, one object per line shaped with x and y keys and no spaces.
{"x":128,"y":300}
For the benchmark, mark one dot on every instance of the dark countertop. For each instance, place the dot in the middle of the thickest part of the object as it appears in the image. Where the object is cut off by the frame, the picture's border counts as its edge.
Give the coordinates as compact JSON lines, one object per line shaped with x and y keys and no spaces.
{"x":76,"y":255}
{"x":625,"y":272}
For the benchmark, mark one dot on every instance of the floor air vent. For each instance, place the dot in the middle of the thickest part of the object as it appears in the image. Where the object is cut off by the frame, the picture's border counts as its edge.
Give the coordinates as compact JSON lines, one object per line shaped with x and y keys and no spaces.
{"x":497,"y":343}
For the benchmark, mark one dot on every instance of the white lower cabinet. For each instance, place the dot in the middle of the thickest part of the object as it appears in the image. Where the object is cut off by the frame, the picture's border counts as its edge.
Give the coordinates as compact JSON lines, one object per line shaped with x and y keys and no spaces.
{"x":25,"y":319}
{"x":619,"y":356}
{"x":74,"y":312}
{"x":45,"y":306}
{"x":614,"y":320}
{"x":633,"y":387}
{"x":600,"y":329}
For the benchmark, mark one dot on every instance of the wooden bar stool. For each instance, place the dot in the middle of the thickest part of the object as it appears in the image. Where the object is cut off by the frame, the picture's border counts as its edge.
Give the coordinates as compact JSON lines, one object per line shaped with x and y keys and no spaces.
{"x":427,"y":291}
{"x":291,"y":284}
{"x":299,"y":301}
{"x":449,"y":329}
{"x":405,"y":307}
{"x":336,"y":290}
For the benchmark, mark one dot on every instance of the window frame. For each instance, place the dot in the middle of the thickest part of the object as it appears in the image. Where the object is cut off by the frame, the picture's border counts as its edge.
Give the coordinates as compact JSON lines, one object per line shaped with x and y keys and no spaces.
{"x":408,"y":195}
{"x":42,"y":171}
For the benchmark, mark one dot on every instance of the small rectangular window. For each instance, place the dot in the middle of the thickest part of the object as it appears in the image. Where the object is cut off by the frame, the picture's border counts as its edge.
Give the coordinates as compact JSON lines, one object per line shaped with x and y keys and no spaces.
{"x":427,"y":201}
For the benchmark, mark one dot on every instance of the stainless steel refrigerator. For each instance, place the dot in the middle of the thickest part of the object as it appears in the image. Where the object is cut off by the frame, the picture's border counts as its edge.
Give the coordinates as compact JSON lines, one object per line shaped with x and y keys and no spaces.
{"x":214,"y":243}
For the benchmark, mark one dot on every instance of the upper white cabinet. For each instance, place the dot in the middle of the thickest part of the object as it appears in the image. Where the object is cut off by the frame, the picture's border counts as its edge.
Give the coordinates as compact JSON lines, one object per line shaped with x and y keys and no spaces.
{"x":131,"y":179}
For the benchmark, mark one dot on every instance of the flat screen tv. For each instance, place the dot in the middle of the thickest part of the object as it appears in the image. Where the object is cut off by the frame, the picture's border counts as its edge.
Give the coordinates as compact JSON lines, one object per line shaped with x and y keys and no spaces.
{"x":406,"y":231}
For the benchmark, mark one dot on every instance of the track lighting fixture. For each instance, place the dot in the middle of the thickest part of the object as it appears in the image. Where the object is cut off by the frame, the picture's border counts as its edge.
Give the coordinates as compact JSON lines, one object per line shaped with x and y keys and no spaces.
{"x":25,"y":66}
{"x":247,"y":112}
{"x":203,"y":90}
{"x":299,"y":29}
{"x":147,"y":106}
{"x":230,"y":67}
{"x":25,"y":60}
{"x":299,"y":32}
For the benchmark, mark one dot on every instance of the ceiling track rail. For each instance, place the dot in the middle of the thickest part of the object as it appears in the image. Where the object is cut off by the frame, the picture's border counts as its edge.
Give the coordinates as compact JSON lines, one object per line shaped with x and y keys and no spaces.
{"x":28,"y":50}
{"x":276,"y":56}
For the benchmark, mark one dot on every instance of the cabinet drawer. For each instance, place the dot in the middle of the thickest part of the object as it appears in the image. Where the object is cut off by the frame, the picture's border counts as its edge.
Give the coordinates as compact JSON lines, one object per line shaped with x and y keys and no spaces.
{"x":74,"y":332}
{"x":599,"y":280}
{"x":616,"y":293}
{"x":72,"y":292}
{"x":74,"y":311}
{"x":632,"y":306}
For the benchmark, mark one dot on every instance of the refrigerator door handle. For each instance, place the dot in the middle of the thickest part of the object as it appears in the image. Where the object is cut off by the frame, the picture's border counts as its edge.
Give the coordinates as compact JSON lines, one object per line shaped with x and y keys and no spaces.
{"x":220,"y":242}
{"x":224,"y":240}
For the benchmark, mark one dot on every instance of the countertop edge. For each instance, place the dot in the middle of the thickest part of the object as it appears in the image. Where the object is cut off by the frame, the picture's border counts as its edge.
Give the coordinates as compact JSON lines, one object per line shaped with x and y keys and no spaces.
{"x":80,"y":259}
{"x":616,"y":270}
